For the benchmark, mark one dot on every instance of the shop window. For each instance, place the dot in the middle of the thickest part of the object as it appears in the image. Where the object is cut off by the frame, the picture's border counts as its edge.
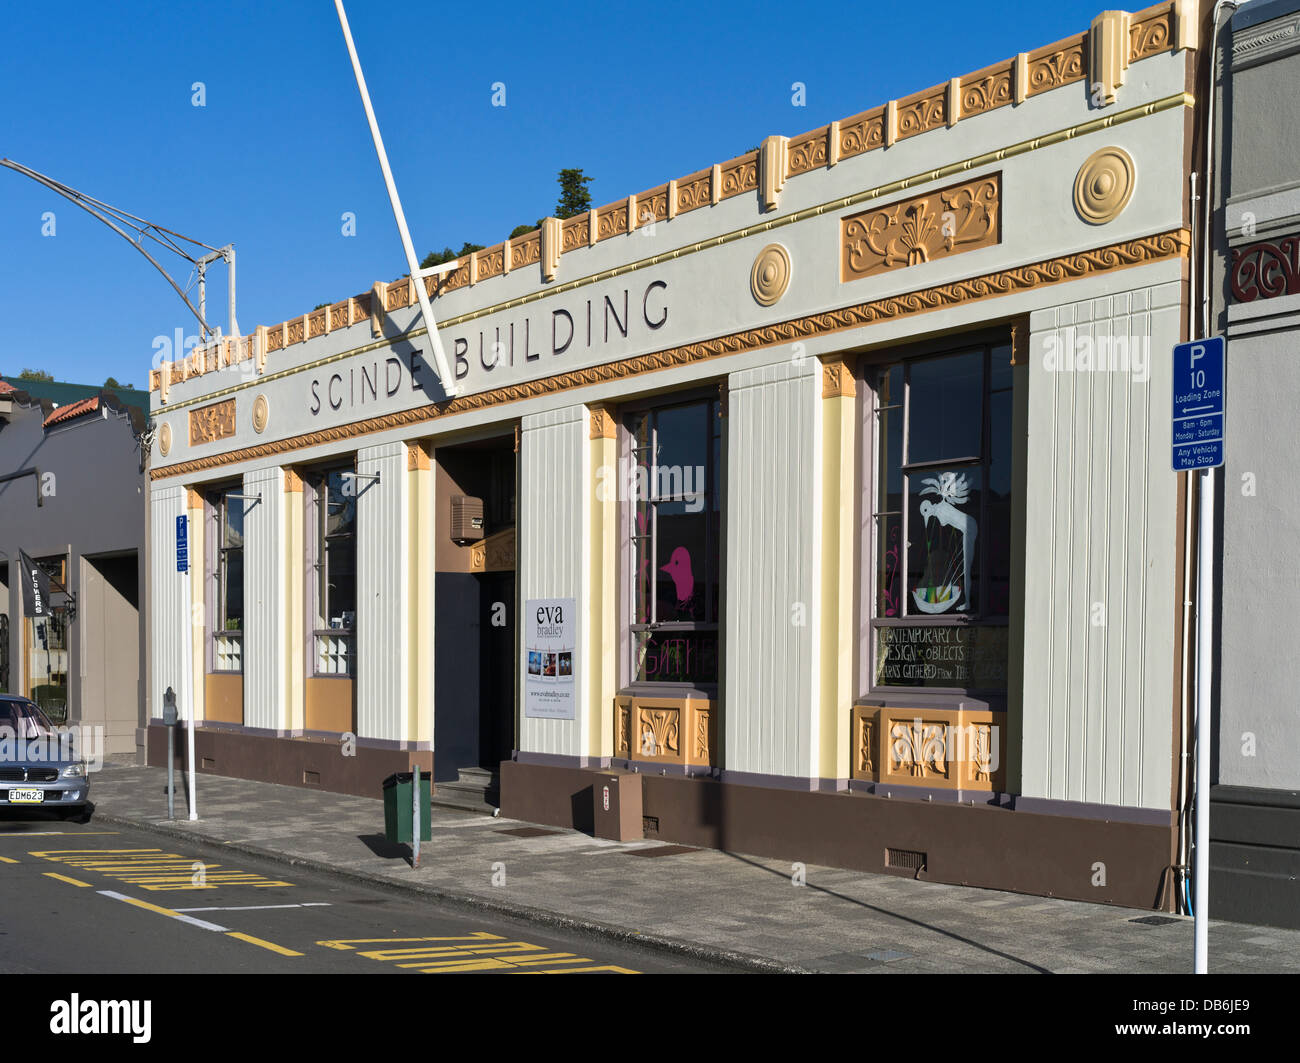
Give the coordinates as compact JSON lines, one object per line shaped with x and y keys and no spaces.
{"x":942,"y":521}
{"x":673,"y":520}
{"x":333,"y":566}
{"x":226,"y":508}
{"x":47,"y":645}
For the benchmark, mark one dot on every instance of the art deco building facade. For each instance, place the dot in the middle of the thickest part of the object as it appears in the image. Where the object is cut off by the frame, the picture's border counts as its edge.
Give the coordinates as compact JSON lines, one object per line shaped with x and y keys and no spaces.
{"x":821,"y":497}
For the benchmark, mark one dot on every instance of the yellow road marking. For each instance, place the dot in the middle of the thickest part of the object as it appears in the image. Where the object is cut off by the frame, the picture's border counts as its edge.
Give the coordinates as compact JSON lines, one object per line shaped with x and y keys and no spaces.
{"x":480,"y":951}
{"x":7,"y":860}
{"x":147,"y":906}
{"x":201,"y":923}
{"x":157,"y":871}
{"x":53,"y":854}
{"x":264,"y":944}
{"x":345,"y":944}
{"x":64,"y":878}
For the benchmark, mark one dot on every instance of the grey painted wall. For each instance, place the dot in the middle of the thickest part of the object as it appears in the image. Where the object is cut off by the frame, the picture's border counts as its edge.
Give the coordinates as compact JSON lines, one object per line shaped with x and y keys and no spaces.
{"x":93,"y":506}
{"x":1259,"y":186}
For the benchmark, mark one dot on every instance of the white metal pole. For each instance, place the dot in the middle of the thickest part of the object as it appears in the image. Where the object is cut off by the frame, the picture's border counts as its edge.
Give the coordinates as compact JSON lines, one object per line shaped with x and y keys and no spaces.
{"x":1204,"y":642}
{"x":187,"y":672}
{"x":230,"y":282}
{"x":412,"y":264}
{"x":1205,"y":550}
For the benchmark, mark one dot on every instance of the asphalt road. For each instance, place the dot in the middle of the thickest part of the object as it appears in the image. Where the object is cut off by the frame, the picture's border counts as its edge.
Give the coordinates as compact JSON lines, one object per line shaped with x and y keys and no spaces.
{"x":105,"y":899}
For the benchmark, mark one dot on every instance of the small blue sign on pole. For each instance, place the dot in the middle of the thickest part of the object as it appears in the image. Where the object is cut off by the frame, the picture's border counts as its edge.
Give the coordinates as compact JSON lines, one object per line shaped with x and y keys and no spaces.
{"x":182,"y":544}
{"x":1199,"y":410}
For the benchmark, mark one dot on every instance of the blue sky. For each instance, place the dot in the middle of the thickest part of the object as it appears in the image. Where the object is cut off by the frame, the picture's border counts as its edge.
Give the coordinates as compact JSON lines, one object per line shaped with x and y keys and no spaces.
{"x":99,"y":96}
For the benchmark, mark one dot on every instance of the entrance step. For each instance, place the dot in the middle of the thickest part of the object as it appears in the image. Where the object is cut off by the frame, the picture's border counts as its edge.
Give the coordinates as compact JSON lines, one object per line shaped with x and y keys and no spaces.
{"x":477,"y":790}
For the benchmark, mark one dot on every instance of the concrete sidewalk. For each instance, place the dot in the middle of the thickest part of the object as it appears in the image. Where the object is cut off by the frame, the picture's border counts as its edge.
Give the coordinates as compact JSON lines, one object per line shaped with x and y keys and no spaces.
{"x":716,"y":905}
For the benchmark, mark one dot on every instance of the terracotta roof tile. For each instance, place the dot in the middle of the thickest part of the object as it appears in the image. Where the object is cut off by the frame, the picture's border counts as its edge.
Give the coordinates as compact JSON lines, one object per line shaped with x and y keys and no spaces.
{"x":6,"y":388}
{"x":71,"y":410}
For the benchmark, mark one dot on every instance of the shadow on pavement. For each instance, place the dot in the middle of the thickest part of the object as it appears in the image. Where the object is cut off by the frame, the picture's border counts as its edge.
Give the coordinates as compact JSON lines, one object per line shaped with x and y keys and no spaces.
{"x":895,"y":915}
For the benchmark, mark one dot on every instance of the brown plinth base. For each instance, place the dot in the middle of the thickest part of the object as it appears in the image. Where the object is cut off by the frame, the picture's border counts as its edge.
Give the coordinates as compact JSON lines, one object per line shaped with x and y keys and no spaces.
{"x":312,"y":763}
{"x":1106,"y":862}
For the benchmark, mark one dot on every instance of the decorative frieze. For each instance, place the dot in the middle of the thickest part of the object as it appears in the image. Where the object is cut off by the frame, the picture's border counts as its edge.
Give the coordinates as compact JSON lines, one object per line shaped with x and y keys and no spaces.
{"x":602,"y":423}
{"x":417,"y":456}
{"x":1116,"y":41}
{"x":208,"y":424}
{"x":496,"y":553}
{"x":988,"y":89}
{"x":1101,"y":260}
{"x":574,"y":233}
{"x":921,"y":113}
{"x":1150,"y":35}
{"x":738,"y":175}
{"x":611,"y":220}
{"x":837,"y":377}
{"x":1266,"y":269}
{"x":1056,"y":65}
{"x":666,"y":730}
{"x":921,"y":229}
{"x":947,"y":749}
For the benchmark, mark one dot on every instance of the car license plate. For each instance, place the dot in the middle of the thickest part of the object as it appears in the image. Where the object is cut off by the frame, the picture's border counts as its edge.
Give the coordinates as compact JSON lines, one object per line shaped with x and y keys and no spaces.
{"x":26,"y":797}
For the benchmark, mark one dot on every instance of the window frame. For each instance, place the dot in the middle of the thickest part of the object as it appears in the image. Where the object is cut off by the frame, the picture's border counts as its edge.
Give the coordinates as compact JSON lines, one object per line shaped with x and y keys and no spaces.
{"x":714,"y":400}
{"x":316,"y":495}
{"x":216,"y":506}
{"x":871,"y":370}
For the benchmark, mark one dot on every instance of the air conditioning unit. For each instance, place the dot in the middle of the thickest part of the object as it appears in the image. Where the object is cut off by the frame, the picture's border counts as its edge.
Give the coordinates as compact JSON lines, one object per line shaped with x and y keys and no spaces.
{"x":466,"y":519}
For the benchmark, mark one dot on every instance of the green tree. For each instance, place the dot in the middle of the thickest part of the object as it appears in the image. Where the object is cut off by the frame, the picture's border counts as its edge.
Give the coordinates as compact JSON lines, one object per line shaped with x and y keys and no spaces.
{"x":35,"y":374}
{"x":574,"y":197}
{"x":524,"y":230}
{"x":437,"y":258}
{"x":112,"y":383}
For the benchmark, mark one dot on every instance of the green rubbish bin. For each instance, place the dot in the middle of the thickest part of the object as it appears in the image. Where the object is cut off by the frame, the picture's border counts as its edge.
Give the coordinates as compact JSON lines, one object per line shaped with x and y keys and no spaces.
{"x":397,"y":806}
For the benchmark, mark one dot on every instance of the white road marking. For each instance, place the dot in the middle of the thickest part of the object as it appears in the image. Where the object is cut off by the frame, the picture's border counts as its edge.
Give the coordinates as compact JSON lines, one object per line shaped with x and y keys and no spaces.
{"x":257,"y":907}
{"x":164,"y":911}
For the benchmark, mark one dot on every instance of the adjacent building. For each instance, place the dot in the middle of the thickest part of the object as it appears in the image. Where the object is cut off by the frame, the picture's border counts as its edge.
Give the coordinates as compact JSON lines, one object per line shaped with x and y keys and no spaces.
{"x":72,"y":499}
{"x":1255,"y":289}
{"x":820,"y":500}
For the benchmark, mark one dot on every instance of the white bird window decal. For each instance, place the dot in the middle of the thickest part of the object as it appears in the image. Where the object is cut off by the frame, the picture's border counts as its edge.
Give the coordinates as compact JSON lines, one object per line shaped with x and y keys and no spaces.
{"x":941,"y":592}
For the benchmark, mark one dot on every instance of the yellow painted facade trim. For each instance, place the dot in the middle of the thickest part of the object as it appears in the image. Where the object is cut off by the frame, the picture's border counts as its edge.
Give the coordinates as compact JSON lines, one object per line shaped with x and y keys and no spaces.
{"x":294,"y":711}
{"x":420,"y":545}
{"x":838,"y":633}
{"x":602,"y":582}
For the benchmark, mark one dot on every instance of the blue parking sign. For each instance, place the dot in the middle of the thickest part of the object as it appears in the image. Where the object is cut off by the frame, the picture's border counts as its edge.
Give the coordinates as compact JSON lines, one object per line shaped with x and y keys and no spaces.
{"x":182,"y":544}
{"x":1199,"y":410}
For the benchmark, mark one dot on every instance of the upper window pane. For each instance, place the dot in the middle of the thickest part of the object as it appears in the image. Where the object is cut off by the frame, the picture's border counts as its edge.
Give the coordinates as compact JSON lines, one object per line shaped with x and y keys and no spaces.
{"x":683,"y":437}
{"x":232,"y":535}
{"x":341,"y":507}
{"x":946,"y":411}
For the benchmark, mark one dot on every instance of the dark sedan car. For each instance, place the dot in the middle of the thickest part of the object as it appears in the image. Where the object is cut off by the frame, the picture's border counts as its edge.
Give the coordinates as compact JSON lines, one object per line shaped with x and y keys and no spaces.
{"x":40,"y":766}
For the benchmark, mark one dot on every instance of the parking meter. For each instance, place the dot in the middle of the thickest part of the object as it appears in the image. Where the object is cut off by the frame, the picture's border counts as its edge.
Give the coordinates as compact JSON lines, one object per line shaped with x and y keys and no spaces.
{"x":169,"y":720}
